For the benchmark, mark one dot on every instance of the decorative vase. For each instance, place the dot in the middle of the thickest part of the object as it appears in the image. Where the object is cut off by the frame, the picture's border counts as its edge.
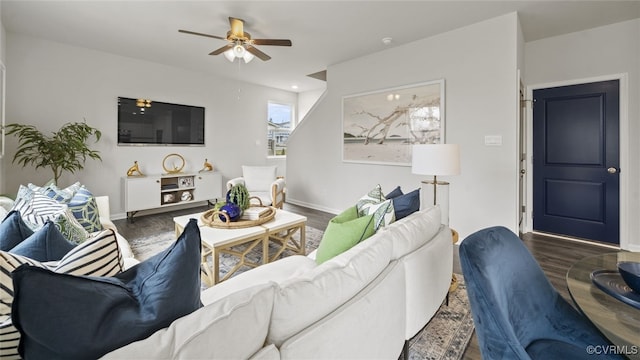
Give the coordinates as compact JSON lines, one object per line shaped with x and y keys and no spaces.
{"x":232,"y":210}
{"x":239,"y":195}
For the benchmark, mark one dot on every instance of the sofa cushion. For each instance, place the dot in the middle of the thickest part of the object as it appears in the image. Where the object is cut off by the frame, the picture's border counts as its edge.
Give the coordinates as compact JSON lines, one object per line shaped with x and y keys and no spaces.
{"x":394,"y":193}
{"x":37,"y":209}
{"x":46,"y":244}
{"x":374,"y":203}
{"x":383,"y":213}
{"x":233,"y":327}
{"x":70,"y":227}
{"x":343,"y":232}
{"x":411,"y":232}
{"x":140,"y":301}
{"x":85,"y":209}
{"x":374,"y":196}
{"x":304,"y":299}
{"x":9,"y":338}
{"x":406,"y":204}
{"x":277,"y":271}
{"x":13,"y":231}
{"x":259,"y":178}
{"x":99,"y":256}
{"x":61,"y":195}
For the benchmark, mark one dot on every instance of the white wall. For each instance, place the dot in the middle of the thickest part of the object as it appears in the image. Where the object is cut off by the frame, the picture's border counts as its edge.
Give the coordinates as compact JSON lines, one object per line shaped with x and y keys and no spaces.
{"x":479,"y":66}
{"x":601,"y":52}
{"x":306,"y":101}
{"x":3,"y":58}
{"x":51,"y":83}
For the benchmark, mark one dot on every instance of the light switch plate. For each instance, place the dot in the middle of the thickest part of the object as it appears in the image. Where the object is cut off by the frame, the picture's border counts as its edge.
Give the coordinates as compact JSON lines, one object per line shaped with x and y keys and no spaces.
{"x":493,"y":140}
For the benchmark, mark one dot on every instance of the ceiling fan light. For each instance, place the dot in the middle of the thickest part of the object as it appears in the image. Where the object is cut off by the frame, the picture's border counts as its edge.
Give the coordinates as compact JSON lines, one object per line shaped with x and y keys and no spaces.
{"x":229,"y":55}
{"x":247,"y":57}
{"x":239,"y":50}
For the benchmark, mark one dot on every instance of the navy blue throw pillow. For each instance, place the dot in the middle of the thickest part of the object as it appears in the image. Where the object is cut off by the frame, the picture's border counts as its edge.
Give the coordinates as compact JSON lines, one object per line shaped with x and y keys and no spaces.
{"x":406,"y":204}
{"x":13,"y":231}
{"x":394,"y":193}
{"x":62,"y":316}
{"x":46,"y":244}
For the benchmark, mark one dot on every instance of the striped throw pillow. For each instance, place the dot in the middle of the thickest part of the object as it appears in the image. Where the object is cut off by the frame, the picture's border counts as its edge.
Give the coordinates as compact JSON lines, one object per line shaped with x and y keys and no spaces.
{"x":9,"y":339}
{"x":38,"y":209}
{"x":98,"y":256}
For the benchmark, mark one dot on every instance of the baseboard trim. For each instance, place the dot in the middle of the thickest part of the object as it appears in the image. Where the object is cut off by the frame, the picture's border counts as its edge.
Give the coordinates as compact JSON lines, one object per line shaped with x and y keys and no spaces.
{"x":313,"y":206}
{"x":159,"y":210}
{"x":583,"y":241}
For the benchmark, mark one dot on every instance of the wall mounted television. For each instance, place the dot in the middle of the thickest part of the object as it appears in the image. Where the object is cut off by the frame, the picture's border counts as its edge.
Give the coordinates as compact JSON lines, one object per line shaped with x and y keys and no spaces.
{"x":147,"y":122}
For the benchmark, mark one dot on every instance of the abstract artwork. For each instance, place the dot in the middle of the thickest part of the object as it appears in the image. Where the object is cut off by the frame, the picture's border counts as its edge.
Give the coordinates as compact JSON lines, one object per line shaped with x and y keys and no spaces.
{"x":380,"y":127}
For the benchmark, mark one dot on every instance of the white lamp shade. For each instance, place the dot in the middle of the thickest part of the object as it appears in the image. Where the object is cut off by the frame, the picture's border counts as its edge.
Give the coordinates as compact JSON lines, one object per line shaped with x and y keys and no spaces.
{"x":436,"y":159}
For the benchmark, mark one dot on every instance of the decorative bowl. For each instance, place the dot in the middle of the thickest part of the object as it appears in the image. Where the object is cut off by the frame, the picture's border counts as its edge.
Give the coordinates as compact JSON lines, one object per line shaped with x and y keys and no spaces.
{"x":630,"y":272}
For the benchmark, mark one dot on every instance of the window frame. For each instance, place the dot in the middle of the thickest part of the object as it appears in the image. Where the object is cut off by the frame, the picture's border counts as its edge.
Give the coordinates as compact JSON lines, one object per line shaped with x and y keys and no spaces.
{"x":292,"y":126}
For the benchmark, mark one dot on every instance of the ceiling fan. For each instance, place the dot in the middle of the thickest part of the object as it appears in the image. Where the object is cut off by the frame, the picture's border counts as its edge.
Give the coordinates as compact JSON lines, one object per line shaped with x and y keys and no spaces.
{"x":241,"y":45}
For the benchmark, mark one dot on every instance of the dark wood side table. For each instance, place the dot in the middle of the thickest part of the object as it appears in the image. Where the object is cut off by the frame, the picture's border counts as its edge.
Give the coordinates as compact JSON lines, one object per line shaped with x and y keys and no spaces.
{"x":617,"y":321}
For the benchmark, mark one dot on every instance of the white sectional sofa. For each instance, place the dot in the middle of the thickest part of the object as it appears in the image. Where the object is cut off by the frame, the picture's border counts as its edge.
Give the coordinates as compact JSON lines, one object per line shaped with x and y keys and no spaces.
{"x":364,"y":303}
{"x":105,"y":219}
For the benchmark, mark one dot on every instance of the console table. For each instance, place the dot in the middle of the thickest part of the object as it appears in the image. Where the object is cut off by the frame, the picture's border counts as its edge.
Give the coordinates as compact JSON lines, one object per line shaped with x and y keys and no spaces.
{"x":159,"y":191}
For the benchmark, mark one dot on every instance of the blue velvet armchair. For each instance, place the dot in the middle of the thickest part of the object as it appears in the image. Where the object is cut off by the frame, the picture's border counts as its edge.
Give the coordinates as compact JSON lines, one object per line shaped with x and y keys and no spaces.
{"x":517,"y":312}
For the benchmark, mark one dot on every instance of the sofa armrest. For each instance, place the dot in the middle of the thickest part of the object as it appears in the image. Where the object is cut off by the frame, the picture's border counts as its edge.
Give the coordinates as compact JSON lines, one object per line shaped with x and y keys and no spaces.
{"x":105,"y":213}
{"x":6,"y":203}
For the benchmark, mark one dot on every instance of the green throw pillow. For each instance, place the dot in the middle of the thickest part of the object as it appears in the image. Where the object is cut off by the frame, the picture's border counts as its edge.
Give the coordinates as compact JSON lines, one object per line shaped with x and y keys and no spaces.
{"x":343,"y":232}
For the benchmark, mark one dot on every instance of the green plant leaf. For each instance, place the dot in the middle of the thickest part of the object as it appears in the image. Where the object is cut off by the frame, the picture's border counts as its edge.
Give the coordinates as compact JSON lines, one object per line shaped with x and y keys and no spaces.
{"x":66,"y":150}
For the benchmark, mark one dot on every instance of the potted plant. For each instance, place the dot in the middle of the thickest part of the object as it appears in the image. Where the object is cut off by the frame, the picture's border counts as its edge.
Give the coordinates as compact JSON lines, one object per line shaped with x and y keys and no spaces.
{"x":239,"y":195}
{"x":65,"y":150}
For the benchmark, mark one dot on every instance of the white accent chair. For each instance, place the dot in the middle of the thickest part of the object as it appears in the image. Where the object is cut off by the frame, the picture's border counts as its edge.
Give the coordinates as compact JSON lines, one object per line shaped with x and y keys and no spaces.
{"x":263,"y":183}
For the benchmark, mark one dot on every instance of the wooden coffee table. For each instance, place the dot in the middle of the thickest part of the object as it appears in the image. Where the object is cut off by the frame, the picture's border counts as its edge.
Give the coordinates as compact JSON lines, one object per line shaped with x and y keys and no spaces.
{"x":217,"y":241}
{"x":281,"y":230}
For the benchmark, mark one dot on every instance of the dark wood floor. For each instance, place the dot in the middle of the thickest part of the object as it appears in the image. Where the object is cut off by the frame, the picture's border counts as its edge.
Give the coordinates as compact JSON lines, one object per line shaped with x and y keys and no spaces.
{"x":555,"y":255}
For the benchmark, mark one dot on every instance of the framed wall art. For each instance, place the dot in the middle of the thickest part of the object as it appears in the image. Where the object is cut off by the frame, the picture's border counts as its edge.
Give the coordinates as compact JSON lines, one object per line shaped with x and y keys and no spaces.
{"x":380,"y":127}
{"x":2,"y":107}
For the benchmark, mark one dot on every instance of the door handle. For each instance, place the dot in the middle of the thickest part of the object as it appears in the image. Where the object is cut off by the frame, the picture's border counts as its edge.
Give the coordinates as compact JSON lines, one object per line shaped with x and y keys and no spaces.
{"x":612,"y":170}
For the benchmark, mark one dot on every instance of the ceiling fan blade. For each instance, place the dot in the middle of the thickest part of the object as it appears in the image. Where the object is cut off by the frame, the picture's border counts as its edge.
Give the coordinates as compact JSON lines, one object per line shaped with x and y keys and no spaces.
{"x":258,"y":53}
{"x":276,"y":42}
{"x":201,"y":34}
{"x":222,"y":49}
{"x":237,"y":27}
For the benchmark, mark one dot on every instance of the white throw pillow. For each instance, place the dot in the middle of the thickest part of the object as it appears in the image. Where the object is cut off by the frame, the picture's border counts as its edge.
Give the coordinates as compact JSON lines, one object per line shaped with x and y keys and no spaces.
{"x":259,"y":178}
{"x":374,"y":203}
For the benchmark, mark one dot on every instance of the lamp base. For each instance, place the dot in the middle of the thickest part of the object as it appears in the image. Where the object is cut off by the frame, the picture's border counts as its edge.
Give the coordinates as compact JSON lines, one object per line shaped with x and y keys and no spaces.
{"x":436,"y":193}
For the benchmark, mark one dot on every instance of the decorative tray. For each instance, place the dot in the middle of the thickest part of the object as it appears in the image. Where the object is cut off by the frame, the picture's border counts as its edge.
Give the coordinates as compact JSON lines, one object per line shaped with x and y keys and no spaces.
{"x":212,"y":218}
{"x":612,"y":283}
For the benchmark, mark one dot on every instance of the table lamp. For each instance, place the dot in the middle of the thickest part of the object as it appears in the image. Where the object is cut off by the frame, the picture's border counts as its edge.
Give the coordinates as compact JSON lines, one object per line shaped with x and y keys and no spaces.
{"x":436,"y":160}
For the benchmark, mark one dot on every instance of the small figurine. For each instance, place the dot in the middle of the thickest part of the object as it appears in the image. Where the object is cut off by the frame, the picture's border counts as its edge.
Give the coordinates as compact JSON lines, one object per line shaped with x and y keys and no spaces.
{"x":207,"y":166}
{"x":134,"y":169}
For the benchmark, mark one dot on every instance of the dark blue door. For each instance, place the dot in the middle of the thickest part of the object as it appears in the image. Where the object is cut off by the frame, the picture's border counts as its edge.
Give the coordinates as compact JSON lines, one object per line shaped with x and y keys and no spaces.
{"x":576,"y":170}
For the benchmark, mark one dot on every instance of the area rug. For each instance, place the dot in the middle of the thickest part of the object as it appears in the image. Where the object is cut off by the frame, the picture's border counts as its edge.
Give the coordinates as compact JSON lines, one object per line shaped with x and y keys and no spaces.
{"x":445,"y":337}
{"x":447,"y":334}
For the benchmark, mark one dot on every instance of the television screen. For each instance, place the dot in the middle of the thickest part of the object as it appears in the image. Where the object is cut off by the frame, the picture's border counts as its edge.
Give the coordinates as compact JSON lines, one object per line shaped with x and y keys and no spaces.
{"x":146,"y":122}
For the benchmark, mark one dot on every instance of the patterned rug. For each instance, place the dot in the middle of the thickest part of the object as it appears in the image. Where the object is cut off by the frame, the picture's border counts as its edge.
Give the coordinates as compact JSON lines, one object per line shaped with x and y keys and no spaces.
{"x":445,"y":337}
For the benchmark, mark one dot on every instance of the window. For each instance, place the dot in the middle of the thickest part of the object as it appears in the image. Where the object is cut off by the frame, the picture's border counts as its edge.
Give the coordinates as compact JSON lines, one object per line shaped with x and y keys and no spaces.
{"x":279,"y":126}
